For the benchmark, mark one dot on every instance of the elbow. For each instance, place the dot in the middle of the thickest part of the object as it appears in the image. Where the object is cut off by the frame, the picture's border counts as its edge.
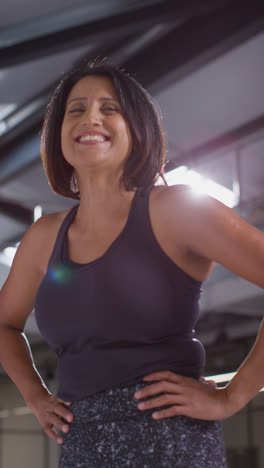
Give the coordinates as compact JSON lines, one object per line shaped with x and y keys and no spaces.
{"x":9,"y":327}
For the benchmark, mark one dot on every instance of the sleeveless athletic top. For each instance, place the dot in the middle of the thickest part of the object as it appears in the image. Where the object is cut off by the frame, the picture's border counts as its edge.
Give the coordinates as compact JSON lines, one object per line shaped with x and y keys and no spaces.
{"x":126,"y":314}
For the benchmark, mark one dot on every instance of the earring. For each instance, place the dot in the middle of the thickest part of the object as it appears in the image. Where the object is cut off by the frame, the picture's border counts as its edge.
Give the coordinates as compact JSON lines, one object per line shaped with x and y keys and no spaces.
{"x":74,"y":183}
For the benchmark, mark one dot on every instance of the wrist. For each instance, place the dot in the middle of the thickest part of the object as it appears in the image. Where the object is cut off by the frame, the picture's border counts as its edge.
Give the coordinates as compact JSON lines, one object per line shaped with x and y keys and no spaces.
{"x":35,"y":395}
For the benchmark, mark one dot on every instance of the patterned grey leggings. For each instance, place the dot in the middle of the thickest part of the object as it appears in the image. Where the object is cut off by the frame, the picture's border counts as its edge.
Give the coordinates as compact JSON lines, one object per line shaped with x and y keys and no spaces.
{"x":109,"y":431}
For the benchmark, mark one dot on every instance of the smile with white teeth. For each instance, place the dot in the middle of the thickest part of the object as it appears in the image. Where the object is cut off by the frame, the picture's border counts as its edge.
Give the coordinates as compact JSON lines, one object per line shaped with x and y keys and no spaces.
{"x":91,"y":137}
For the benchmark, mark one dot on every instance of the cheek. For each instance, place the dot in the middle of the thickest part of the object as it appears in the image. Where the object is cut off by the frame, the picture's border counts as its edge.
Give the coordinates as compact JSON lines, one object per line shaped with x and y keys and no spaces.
{"x":64,"y":137}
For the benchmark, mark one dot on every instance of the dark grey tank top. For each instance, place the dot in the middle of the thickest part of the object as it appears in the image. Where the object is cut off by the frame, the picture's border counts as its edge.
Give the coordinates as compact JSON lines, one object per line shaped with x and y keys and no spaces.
{"x":124,"y":315}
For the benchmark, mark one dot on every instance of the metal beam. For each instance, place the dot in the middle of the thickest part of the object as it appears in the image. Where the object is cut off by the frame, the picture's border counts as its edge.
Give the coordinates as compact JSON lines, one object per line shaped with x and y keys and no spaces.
{"x":198,"y":41}
{"x":101,"y":22}
{"x":66,"y":19}
{"x":23,"y":118}
{"x":16,"y":211}
{"x":18,"y":156}
{"x":240,"y":136}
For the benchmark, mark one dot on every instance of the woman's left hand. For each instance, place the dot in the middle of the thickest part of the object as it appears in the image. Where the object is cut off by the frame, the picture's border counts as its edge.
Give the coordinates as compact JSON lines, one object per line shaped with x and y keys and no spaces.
{"x":187,"y":397}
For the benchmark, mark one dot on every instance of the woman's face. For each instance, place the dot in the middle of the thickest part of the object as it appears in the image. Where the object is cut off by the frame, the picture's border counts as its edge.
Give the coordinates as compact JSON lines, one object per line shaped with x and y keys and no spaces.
{"x":94,"y":131}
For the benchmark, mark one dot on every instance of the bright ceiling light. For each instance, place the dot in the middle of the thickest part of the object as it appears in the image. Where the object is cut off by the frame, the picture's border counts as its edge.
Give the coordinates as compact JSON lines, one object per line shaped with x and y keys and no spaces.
{"x":37,"y":212}
{"x":201,"y":184}
{"x":220,"y":378}
{"x":223,"y":378}
{"x":10,"y":251}
{"x":7,"y":255}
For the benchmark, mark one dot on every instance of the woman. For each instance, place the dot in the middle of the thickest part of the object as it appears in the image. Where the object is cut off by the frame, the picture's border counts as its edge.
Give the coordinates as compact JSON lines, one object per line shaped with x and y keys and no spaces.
{"x":116,"y":282}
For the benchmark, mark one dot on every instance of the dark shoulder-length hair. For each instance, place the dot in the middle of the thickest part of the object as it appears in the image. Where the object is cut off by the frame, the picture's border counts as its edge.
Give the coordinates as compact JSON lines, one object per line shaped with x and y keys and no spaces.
{"x":146,"y":161}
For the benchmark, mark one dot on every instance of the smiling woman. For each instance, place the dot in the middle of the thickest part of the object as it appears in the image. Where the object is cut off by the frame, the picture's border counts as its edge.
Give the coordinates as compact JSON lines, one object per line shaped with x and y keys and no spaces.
{"x":116,"y":282}
{"x":95,"y":135}
{"x":123,"y":98}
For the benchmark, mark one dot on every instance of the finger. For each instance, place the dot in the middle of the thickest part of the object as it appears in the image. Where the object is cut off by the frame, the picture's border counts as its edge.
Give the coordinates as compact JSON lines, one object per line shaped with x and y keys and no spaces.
{"x":212,"y":382}
{"x":202,"y":379}
{"x":177,"y":410}
{"x":58,"y":423}
{"x":209,"y":382}
{"x":60,"y":410}
{"x":160,"y":401}
{"x":185,"y":410}
{"x":53,"y":436}
{"x":67,"y":403}
{"x":66,"y":415}
{"x":161,"y":387}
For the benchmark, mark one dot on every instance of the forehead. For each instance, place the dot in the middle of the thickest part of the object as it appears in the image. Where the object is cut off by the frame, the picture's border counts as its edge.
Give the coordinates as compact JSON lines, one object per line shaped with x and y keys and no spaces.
{"x":93,"y":86}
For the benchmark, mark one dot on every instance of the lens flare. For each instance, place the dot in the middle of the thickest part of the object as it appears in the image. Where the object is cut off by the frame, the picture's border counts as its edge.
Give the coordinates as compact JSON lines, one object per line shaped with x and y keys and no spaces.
{"x":61,"y":274}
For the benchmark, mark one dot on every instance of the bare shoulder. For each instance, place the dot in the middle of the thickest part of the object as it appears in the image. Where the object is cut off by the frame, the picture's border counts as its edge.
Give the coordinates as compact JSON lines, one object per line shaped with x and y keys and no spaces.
{"x":36,"y":245}
{"x":46,"y":223}
{"x":175,"y":203}
{"x":168,"y":208}
{"x":18,"y":293}
{"x":41,"y":236}
{"x":180,"y":193}
{"x":181,"y":203}
{"x":174,"y":228}
{"x":209,"y":229}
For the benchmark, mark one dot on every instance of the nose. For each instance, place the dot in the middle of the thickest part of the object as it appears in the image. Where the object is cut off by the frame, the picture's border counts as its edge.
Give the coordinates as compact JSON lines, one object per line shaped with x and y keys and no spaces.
{"x":91,"y":117}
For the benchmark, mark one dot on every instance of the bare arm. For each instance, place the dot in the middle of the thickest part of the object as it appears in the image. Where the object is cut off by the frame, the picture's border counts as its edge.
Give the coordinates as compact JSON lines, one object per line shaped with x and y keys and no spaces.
{"x":212,"y":231}
{"x":17,"y":299}
{"x":16,"y":303}
{"x":222,"y":236}
{"x":250,"y":376}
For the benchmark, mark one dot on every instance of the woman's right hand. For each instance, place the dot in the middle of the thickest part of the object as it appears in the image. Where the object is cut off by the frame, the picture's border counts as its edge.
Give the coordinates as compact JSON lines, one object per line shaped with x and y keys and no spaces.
{"x":49,"y":410}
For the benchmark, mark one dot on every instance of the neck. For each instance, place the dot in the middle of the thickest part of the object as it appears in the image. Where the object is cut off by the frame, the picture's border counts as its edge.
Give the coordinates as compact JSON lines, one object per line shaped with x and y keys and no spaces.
{"x":101,"y":201}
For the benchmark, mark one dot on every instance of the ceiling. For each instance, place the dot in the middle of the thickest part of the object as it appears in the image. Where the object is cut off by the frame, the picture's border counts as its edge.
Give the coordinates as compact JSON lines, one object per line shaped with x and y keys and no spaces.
{"x":203,"y":64}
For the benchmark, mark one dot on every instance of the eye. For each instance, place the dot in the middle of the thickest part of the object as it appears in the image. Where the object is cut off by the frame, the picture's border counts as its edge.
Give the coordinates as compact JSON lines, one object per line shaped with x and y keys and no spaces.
{"x":76,"y":109}
{"x":110,"y":108}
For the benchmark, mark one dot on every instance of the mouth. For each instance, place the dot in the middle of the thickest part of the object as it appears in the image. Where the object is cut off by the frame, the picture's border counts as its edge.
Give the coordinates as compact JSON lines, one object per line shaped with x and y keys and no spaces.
{"x":92,"y":138}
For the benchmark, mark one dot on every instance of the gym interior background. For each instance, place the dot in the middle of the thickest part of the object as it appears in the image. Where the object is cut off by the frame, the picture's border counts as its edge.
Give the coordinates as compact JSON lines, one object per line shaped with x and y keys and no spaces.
{"x":203,"y":63}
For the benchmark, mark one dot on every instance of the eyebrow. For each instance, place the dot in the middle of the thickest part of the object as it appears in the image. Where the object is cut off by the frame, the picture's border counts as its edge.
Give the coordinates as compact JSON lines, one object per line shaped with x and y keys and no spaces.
{"x":100,"y":99}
